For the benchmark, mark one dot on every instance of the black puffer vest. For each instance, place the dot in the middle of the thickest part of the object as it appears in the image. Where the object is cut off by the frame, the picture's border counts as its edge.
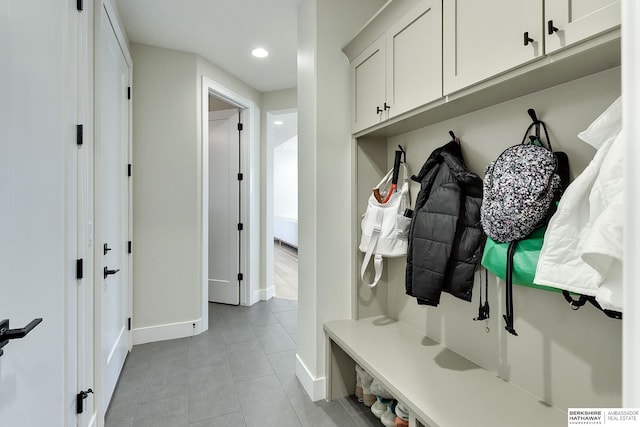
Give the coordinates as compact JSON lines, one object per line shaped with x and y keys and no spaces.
{"x":446,"y":235}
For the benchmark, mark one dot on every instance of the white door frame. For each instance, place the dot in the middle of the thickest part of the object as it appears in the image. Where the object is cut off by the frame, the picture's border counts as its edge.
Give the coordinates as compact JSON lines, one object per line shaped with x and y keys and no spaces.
{"x":102,"y":7}
{"x":250,"y":198}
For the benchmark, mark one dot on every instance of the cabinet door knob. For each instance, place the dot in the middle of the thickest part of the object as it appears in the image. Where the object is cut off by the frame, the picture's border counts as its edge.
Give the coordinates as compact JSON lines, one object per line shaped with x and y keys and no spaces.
{"x":378,"y":110}
{"x":550,"y":28}
{"x":527,"y":39}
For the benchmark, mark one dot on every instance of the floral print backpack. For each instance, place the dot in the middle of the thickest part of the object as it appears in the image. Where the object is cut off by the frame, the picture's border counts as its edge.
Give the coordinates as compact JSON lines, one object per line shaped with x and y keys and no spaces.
{"x":520,"y":191}
{"x":521,"y":187}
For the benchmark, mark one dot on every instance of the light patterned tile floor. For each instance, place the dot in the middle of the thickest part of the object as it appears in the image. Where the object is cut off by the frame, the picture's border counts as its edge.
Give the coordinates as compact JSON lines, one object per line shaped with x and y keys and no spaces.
{"x":241,"y":372}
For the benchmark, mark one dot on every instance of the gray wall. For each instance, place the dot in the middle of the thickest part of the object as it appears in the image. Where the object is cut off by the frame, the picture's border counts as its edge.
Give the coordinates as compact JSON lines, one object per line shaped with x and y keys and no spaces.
{"x":165,"y":159}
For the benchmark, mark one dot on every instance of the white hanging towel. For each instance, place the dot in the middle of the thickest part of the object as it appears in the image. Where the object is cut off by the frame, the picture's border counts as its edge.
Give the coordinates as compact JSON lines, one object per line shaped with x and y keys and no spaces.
{"x":582,"y":250}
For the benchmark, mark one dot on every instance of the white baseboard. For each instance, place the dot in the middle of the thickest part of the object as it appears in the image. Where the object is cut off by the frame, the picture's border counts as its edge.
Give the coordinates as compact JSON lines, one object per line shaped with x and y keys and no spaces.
{"x":167,"y":332}
{"x":316,"y":388}
{"x":264,"y":294}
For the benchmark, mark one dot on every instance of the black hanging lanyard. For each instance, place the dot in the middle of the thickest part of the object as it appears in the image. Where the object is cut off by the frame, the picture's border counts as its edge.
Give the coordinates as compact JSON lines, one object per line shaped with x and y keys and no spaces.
{"x":483,"y":309}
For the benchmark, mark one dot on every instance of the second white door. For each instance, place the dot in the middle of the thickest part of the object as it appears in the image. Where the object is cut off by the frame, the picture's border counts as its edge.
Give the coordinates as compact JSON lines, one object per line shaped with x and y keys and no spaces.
{"x":224,"y":208}
{"x":111,"y":264}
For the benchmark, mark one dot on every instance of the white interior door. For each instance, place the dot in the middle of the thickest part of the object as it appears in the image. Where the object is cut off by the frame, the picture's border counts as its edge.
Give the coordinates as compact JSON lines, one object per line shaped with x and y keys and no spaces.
{"x":38,"y":210}
{"x":112,"y":207}
{"x":224,"y":199}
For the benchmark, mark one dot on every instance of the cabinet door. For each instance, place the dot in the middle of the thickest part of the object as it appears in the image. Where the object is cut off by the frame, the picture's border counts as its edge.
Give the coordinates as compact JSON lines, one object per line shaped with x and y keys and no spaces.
{"x":485,"y":38}
{"x":367,"y":71}
{"x":577,"y":20}
{"x":414,"y":58}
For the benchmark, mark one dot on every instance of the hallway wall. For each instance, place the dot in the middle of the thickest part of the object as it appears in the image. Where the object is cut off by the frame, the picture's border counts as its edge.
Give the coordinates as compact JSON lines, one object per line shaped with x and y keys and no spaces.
{"x":167,"y":294}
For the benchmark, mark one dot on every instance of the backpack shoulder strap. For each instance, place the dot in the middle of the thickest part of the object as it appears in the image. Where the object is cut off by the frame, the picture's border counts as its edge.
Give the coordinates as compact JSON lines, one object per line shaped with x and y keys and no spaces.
{"x":508,"y":317}
{"x":583,"y":299}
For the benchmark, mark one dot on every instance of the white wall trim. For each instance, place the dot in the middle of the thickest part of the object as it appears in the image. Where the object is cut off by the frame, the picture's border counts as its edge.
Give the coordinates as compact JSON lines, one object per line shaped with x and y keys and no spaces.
{"x":93,"y":421}
{"x":250,"y":202}
{"x":316,"y":388}
{"x":168,"y":331}
{"x":264,"y":294}
{"x":631,"y":130}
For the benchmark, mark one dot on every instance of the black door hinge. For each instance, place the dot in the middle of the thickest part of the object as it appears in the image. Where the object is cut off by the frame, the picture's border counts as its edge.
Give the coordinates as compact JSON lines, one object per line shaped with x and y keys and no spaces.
{"x":79,"y":5}
{"x":129,"y":169}
{"x":129,"y":246}
{"x":240,"y":276}
{"x":129,"y":92}
{"x":79,"y":134}
{"x":80,"y":397}
{"x":129,"y":324}
{"x":79,"y":269}
{"x":240,"y":177}
{"x":240,"y":226}
{"x":240,"y":127}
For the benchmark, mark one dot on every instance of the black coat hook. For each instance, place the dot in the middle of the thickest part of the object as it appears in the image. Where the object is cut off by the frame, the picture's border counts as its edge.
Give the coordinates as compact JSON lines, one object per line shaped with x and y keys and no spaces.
{"x":404,"y":153}
{"x":454,"y":138}
{"x":533,"y":115}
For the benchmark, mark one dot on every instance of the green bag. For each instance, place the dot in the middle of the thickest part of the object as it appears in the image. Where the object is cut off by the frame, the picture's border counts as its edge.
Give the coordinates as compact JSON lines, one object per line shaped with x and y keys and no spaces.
{"x":525,"y":259}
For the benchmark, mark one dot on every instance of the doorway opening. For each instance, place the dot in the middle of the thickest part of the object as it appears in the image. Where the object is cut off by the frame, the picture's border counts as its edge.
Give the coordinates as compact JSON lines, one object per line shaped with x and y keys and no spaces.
{"x":244,"y":180}
{"x":282,"y":131}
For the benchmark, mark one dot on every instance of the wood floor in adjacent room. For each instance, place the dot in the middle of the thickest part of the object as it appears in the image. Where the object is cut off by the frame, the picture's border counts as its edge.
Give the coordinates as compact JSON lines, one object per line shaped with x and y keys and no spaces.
{"x":285,"y":271}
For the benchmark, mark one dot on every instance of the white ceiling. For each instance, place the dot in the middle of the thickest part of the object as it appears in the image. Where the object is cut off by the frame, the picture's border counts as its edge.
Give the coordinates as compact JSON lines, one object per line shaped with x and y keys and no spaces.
{"x":223,"y":32}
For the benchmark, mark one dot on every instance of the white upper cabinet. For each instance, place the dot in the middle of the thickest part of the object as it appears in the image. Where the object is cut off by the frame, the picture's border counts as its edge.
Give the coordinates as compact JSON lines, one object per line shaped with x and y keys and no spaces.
{"x":484,"y":38}
{"x":416,"y":57}
{"x":401,"y":70}
{"x":571,"y":21}
{"x":414,"y":60}
{"x":367,"y":71}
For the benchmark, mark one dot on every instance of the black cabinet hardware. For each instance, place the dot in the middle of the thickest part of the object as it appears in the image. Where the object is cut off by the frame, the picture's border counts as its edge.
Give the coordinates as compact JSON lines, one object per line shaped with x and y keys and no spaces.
{"x":386,"y":106}
{"x":80,"y":397}
{"x":527,"y":39}
{"x":378,"y":110}
{"x":105,"y":248}
{"x":550,"y":28}
{"x":108,"y":272}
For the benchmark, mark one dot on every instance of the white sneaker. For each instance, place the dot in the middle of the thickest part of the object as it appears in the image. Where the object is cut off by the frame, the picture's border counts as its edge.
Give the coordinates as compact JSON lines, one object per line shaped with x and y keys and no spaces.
{"x":389,"y":417}
{"x":368,"y":398}
{"x":402,"y":412}
{"x":380,"y":407}
{"x":378,"y":389}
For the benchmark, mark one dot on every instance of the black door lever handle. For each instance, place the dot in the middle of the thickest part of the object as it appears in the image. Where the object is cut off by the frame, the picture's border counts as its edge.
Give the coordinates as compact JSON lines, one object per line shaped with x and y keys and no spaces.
{"x":7,"y":334}
{"x":108,"y":272}
{"x":12,"y":334}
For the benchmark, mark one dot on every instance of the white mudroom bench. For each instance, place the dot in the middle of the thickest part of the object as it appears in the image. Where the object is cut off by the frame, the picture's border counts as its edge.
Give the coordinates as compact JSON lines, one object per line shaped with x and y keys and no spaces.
{"x":439,"y":387}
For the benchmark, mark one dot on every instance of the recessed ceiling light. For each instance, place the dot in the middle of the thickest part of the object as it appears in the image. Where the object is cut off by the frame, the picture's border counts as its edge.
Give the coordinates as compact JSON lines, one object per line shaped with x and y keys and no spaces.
{"x":278,"y":122}
{"x":259,"y":52}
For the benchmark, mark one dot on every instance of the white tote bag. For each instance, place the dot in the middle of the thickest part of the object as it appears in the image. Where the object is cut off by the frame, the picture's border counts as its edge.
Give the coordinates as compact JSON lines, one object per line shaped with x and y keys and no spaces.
{"x":385,"y":229}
